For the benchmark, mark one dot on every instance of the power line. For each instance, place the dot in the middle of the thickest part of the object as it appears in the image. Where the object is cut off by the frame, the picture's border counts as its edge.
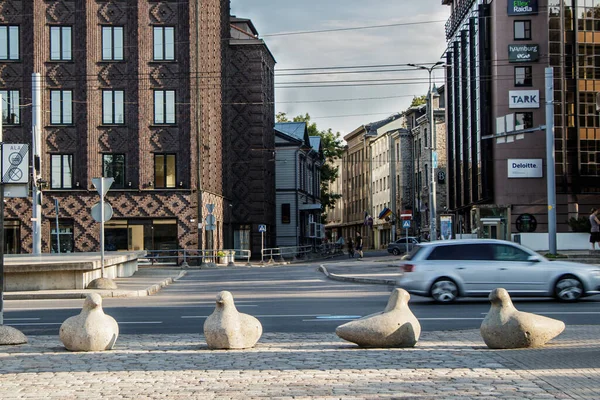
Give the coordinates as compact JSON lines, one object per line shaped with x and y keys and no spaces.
{"x":356,"y":28}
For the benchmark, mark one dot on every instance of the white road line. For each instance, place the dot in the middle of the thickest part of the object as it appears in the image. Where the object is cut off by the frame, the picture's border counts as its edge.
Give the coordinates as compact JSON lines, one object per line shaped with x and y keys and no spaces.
{"x":22,"y":319}
{"x":60,"y":323}
{"x":257,"y":316}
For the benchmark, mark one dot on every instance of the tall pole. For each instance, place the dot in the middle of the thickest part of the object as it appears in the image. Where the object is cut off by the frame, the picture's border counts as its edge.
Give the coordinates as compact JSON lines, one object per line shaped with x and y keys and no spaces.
{"x":36,"y":99}
{"x":432,"y":189}
{"x":551,"y":175}
{"x":1,"y":226}
{"x":102,"y":227}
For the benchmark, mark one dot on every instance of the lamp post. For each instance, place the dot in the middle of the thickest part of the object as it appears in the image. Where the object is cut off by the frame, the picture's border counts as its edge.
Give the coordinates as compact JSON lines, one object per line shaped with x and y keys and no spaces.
{"x":432,"y":185}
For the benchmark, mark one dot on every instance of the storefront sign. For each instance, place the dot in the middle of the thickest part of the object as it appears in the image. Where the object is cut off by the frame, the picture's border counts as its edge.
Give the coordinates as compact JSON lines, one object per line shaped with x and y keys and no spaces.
{"x":524,"y":99}
{"x":525,"y":168}
{"x":522,"y":7}
{"x":523,"y":52}
{"x":526,"y":223}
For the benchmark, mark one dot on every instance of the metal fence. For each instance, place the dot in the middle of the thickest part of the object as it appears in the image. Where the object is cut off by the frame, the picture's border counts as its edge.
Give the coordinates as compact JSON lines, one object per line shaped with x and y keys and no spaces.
{"x":184,"y":257}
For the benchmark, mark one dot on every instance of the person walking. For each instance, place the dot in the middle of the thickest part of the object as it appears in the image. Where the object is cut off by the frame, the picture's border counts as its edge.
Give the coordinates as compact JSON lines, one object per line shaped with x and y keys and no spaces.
{"x":359,"y":245}
{"x":595,"y":231}
{"x":350,"y":249}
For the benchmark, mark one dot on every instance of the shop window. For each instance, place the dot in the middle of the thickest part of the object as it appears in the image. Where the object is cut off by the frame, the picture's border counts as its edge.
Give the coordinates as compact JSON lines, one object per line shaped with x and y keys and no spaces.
{"x":64,"y":237}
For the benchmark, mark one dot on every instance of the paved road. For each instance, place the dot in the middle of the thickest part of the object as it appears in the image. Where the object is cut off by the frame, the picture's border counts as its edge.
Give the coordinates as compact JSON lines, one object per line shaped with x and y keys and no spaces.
{"x":288,"y":299}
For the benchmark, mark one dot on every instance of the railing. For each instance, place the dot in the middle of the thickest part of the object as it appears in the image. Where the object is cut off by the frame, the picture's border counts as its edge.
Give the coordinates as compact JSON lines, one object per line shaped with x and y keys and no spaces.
{"x":281,"y":253}
{"x":184,"y":256}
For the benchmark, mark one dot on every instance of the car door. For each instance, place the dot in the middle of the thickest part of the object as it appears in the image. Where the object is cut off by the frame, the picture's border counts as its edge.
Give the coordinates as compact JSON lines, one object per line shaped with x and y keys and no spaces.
{"x":516,"y":273}
{"x":469,"y":263}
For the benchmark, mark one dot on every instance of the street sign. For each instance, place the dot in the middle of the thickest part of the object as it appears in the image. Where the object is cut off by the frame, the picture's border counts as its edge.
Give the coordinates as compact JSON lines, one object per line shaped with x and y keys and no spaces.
{"x":104,"y":183}
{"x":15,"y":158}
{"x":211,"y":222}
{"x":108,"y":212}
{"x":262,"y":228}
{"x":406,"y":224}
{"x":435,"y":159}
{"x":406,"y":216}
{"x":210,"y":207}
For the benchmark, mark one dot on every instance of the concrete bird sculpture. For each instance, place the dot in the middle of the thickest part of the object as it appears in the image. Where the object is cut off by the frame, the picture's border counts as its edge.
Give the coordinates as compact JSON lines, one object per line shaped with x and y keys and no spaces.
{"x":91,"y":330}
{"x":505,"y":327}
{"x":227,"y":328}
{"x":395,"y":326}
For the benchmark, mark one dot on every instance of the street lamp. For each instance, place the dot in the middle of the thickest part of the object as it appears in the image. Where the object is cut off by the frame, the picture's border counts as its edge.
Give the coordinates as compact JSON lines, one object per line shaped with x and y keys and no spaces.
{"x":432,"y":186}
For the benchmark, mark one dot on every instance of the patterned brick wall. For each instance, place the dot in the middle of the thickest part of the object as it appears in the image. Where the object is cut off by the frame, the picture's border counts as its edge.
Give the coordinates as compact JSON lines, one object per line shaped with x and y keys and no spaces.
{"x":199,"y":53}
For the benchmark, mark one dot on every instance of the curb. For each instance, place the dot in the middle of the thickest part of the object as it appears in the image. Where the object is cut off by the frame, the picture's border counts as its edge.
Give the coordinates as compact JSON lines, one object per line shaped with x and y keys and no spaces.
{"x":149,"y":291}
{"x":342,"y":278}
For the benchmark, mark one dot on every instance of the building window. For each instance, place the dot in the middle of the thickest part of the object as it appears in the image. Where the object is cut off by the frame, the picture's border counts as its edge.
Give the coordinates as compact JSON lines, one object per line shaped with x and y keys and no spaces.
{"x":164,"y":43}
{"x":112,"y":43}
{"x":61,"y":107}
{"x":164,"y":171}
{"x":60,"y":43}
{"x":113,"y":166}
{"x":9,"y":42}
{"x":11,"y":112}
{"x":113,"y":107}
{"x":164,"y":106}
{"x":523,"y":76}
{"x":522,"y":30}
{"x":286,"y":214}
{"x":523,"y":120}
{"x":12,"y":237}
{"x":64,"y":236}
{"x":61,"y":166}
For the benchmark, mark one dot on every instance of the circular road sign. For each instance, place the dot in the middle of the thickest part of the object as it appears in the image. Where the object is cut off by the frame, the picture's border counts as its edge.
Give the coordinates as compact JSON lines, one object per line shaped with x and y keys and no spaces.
{"x":108,"y":212}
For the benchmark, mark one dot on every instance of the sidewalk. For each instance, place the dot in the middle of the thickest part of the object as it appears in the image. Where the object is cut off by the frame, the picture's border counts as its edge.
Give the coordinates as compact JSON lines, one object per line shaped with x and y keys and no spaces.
{"x":443,"y":365}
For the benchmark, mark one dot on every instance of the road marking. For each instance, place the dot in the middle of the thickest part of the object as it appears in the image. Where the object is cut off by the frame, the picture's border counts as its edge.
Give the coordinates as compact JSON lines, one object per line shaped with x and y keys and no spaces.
{"x":561,"y":312}
{"x":261,"y":316}
{"x":22,"y":319}
{"x":60,"y":323}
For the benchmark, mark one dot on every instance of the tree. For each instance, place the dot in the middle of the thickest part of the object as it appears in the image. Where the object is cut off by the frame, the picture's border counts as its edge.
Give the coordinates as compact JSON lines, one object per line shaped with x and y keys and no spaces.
{"x":418,"y":100}
{"x":333,"y":148}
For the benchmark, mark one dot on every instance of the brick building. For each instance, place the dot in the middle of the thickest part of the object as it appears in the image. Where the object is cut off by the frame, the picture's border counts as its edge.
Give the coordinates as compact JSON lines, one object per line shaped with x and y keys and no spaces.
{"x":130,"y":90}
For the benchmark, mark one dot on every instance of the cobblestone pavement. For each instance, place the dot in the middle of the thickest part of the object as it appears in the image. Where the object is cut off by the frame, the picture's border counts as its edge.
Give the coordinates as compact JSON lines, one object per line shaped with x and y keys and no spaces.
{"x":444,"y":365}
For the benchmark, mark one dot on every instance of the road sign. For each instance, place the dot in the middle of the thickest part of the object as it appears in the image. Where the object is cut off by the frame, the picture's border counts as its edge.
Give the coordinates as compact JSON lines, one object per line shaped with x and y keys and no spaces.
{"x":262,"y":228}
{"x":406,"y":216}
{"x":435,"y":159}
{"x":406,"y":224}
{"x":104,"y":183}
{"x":211,"y":222}
{"x":108,"y":212}
{"x":15,"y":158}
{"x":210,"y":207}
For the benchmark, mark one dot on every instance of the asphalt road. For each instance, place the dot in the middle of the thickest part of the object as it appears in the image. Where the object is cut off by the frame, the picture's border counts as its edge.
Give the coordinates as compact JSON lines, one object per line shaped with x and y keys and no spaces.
{"x":287,"y":299}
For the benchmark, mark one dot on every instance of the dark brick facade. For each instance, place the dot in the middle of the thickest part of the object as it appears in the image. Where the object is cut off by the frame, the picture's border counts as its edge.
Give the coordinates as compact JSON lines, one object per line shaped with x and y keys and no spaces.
{"x":250,"y":141}
{"x":195,"y":138}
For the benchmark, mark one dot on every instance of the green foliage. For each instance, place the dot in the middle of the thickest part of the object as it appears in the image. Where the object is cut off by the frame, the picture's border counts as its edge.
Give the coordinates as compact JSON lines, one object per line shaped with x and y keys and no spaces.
{"x":581,"y":224}
{"x":418,"y":100}
{"x":333,"y":148}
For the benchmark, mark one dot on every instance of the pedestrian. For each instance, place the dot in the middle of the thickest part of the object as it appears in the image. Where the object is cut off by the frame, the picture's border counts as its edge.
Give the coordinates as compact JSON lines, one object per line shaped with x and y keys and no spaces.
{"x":350,"y":249}
{"x":359,"y":245}
{"x":595,"y":231}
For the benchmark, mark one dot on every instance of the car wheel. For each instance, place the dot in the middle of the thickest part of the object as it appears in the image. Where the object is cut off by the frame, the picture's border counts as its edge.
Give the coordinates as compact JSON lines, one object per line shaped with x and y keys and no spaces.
{"x":395,"y":252}
{"x":444,"y":290}
{"x":568,"y":288}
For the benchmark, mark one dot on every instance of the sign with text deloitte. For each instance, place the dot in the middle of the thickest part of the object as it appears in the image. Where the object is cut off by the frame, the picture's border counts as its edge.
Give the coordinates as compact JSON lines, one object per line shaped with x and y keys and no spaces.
{"x":523,"y":52}
{"x":522,"y":7}
{"x":523,"y":99}
{"x":525,"y":168}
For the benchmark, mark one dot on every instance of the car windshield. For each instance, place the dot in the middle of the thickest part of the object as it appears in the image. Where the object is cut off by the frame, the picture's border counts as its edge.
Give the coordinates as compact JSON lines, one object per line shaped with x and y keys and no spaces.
{"x":412,"y":253}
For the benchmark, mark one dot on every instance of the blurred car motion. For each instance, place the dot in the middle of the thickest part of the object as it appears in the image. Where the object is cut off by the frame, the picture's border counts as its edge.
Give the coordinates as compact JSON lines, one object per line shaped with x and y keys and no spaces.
{"x":446,"y":270}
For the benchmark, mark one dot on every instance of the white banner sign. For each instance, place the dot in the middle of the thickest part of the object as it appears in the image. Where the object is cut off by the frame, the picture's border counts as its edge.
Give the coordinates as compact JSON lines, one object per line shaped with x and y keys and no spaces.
{"x":523,"y":99}
{"x":525,"y":168}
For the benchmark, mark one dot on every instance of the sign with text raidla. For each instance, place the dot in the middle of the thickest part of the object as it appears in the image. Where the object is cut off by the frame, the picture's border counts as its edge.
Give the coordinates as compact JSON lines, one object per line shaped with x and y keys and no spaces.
{"x":522,"y":7}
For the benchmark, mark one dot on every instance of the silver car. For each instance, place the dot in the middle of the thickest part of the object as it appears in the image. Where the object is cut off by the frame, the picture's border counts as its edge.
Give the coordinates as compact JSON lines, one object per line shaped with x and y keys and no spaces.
{"x":400,"y":245}
{"x":445,"y":270}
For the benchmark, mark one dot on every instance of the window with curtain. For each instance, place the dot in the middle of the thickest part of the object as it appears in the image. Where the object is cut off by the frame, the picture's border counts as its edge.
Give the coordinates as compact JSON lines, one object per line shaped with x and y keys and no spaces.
{"x":165,"y":171}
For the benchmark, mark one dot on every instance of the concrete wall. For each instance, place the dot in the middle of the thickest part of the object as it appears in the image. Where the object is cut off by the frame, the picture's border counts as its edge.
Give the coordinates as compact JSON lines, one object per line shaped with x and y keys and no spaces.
{"x":564,"y":241}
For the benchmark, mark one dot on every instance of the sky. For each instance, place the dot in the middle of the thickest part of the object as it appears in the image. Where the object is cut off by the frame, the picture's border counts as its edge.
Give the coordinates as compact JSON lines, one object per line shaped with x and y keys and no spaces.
{"x":416,"y":35}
